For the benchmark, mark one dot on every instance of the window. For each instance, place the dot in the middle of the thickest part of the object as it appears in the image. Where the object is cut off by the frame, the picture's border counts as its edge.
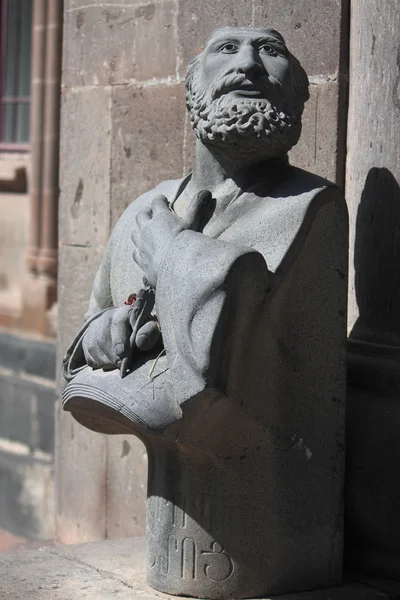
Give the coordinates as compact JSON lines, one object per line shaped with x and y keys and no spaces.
{"x":15,"y":73}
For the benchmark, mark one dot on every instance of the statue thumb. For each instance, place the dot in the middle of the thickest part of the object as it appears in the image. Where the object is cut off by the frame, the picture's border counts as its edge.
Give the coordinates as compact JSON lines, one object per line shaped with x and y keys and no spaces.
{"x":199,"y":210}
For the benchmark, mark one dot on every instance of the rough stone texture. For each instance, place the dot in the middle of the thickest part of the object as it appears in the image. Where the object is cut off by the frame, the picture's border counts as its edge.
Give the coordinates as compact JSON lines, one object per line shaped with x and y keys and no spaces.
{"x":126,"y":486}
{"x":85,"y":170}
{"x":81,"y":455}
{"x":99,"y":54}
{"x":109,"y":570}
{"x":135,"y":43}
{"x":153,"y":115}
{"x":317,"y":150}
{"x":74,"y":291}
{"x":317,"y":36}
{"x":373,"y":166}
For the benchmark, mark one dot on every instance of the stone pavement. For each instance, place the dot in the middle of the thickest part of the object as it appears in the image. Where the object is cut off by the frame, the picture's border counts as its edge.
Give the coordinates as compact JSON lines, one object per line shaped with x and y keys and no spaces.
{"x":111,"y":570}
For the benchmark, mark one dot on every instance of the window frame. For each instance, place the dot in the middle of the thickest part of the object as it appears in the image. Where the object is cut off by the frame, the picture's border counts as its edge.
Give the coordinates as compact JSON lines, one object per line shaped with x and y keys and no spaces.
{"x":4,"y":100}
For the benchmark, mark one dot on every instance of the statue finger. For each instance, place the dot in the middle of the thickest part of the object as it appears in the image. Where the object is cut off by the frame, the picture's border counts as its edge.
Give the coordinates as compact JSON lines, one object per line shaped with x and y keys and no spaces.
{"x":97,"y":358}
{"x":143,"y":217}
{"x":136,"y":235}
{"x":148,"y":336}
{"x":199,"y":208}
{"x":121,"y":330}
{"x":160,"y":204}
{"x":136,"y":256}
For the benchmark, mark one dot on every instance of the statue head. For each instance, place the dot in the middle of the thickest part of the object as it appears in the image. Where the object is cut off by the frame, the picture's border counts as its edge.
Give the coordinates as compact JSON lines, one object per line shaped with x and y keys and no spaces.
{"x":245,"y":88}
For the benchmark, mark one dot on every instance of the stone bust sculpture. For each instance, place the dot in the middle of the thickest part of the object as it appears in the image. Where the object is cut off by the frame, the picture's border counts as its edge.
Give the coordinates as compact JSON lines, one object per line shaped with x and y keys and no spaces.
{"x":241,"y":404}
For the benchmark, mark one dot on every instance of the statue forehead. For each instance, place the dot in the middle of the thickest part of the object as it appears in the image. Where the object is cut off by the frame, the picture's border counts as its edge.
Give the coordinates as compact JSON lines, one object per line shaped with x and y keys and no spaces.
{"x":228,"y":32}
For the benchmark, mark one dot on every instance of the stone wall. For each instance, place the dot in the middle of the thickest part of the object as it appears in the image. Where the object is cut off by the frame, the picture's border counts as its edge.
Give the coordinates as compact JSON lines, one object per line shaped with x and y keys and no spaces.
{"x":373,"y":195}
{"x":124,"y":128}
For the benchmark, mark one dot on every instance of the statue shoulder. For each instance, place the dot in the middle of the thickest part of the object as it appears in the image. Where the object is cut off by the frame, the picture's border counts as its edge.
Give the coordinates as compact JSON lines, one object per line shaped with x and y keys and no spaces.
{"x":307,"y":192}
{"x":300,"y":181}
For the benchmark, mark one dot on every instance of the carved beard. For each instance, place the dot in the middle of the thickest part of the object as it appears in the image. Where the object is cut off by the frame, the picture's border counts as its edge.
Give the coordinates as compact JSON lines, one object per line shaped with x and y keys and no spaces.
{"x":252,"y":124}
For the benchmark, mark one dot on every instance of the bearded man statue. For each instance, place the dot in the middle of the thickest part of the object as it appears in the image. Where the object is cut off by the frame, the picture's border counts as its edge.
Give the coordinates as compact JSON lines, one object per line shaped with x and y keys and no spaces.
{"x":240,"y":398}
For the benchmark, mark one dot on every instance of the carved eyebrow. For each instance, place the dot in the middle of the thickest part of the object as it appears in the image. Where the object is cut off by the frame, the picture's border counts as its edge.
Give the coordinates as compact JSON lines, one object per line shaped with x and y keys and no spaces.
{"x":270,"y":40}
{"x":224,"y":40}
{"x":234,"y":40}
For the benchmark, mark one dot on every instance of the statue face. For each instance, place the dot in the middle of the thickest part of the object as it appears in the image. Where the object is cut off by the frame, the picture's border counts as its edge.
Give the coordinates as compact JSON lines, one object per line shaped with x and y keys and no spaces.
{"x":259,"y":55}
{"x":246,"y":89}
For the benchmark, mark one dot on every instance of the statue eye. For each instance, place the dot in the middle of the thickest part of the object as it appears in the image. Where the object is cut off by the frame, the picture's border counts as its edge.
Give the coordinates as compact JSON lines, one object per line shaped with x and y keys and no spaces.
{"x":267,"y":49}
{"x":228,"y":48}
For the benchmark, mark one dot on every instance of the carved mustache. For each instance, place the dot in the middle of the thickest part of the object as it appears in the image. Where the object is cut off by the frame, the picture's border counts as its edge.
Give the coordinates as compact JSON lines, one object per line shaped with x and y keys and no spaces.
{"x":237,"y":81}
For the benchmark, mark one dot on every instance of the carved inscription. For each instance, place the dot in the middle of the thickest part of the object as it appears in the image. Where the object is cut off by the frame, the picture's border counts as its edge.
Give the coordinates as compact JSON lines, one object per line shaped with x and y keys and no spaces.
{"x":219,"y":566}
{"x":182,"y":555}
{"x":186,"y":560}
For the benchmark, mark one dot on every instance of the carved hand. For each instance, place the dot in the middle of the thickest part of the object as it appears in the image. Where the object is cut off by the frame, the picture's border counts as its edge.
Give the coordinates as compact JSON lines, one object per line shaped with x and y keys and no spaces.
{"x":107,"y":339}
{"x":157,"y":228}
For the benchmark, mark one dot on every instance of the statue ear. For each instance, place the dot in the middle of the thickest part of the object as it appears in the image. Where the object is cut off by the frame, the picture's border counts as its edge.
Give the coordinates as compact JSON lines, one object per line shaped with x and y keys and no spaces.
{"x":300,"y":84}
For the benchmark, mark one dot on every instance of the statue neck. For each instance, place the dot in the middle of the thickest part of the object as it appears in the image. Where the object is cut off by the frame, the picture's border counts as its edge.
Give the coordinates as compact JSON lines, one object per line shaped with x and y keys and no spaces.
{"x":217,"y":168}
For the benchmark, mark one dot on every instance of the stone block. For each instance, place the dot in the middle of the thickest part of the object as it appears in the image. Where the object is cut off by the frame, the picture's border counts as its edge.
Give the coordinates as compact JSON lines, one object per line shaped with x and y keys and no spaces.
{"x":113,"y":44}
{"x":85,"y":167}
{"x":314,"y":35}
{"x":318,"y":148}
{"x":81,"y":479}
{"x":126,"y":487}
{"x":147,"y":140}
{"x":373,"y":167}
{"x":81,"y":455}
{"x":77,"y":269}
{"x":197,"y":20}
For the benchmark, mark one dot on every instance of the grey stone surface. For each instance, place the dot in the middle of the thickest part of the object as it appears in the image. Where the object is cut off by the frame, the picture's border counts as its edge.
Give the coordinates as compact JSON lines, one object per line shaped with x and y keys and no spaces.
{"x":247,"y":261}
{"x":148,"y":146}
{"x":126,"y":486}
{"x":79,"y":263}
{"x":84,"y":216}
{"x":109,"y":570}
{"x":119,"y":58}
{"x":321,"y":48}
{"x":318,"y":149}
{"x":373,"y":164}
{"x":81,"y":456}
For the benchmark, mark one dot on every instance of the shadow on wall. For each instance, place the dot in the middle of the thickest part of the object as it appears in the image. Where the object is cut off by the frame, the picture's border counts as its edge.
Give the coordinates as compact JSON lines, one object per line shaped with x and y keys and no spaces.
{"x":377,"y":260}
{"x":372,"y":519}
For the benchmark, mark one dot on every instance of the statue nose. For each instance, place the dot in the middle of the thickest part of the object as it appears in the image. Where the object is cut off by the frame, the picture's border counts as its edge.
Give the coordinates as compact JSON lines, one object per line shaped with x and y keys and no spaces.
{"x":249,"y":63}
